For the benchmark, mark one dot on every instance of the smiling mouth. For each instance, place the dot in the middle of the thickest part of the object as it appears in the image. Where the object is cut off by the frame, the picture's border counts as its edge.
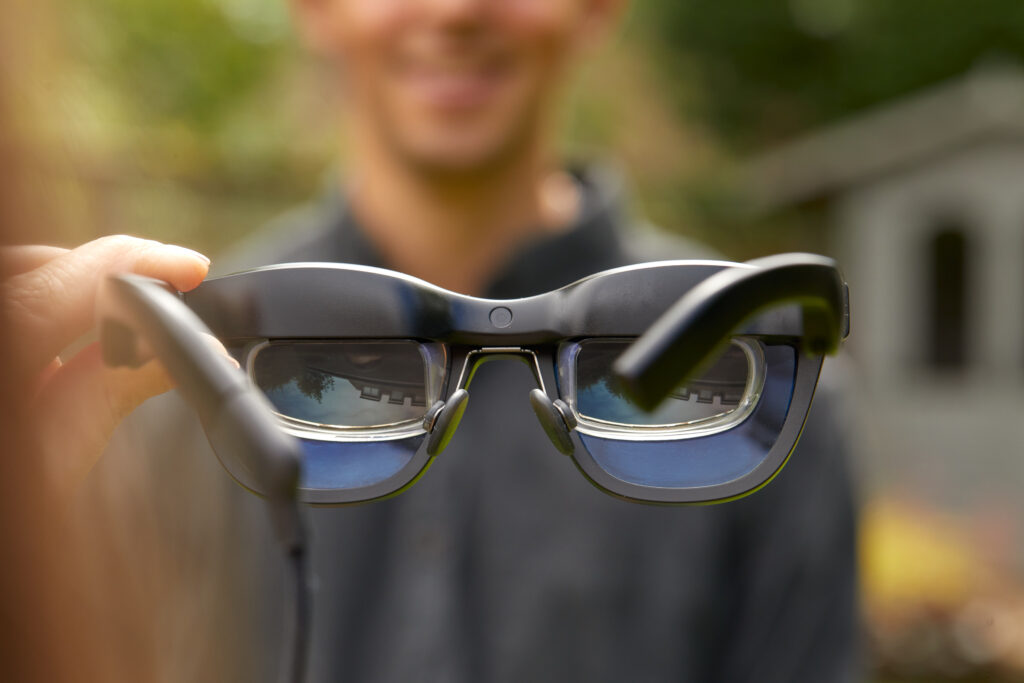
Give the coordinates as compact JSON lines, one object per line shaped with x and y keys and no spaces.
{"x":456,"y":86}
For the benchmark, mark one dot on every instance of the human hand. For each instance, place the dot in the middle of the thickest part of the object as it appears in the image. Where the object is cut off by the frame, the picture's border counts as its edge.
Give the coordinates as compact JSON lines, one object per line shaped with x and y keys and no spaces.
{"x":74,"y":404}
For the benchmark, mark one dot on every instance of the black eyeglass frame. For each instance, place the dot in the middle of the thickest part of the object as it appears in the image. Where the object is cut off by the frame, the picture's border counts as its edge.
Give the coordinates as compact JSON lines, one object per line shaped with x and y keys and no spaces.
{"x":320,"y":302}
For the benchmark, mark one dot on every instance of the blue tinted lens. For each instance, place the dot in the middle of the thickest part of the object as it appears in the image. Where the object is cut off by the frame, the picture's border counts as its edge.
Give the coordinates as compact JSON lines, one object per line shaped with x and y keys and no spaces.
{"x":706,"y":460}
{"x":348,"y":465}
{"x":357,"y":406}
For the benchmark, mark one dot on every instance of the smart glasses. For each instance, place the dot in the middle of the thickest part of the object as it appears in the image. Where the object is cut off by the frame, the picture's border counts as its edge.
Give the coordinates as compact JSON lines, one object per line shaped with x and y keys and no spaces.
{"x":371,"y":369}
{"x":735,"y":402}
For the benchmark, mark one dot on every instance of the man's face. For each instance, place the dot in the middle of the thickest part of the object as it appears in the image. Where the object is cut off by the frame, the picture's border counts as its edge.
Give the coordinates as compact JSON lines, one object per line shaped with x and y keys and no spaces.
{"x":451,"y":85}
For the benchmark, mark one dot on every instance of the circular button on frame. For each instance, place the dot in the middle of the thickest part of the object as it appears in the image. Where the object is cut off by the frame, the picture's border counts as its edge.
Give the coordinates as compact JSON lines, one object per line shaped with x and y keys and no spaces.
{"x":501,"y":317}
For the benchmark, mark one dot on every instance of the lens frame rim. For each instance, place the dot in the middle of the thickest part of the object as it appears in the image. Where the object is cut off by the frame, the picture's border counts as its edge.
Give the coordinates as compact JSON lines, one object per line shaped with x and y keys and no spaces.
{"x":808,"y":369}
{"x":435,"y":360}
{"x":568,"y":354}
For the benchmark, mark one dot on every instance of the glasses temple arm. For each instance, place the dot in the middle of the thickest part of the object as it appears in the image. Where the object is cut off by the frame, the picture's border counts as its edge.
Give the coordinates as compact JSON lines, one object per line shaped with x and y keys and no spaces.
{"x":237,"y":419}
{"x":684,"y":338}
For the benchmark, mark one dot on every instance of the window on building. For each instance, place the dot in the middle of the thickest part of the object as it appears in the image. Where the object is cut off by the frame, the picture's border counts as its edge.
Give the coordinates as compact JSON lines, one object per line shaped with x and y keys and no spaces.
{"x":948,"y":291}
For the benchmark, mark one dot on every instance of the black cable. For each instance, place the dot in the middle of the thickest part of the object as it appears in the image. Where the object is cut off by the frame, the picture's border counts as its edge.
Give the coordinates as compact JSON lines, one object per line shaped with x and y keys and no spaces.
{"x":297,"y":619}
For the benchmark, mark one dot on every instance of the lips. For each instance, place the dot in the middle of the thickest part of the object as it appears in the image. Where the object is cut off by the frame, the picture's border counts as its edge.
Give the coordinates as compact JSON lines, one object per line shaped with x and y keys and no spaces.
{"x":455,"y":85}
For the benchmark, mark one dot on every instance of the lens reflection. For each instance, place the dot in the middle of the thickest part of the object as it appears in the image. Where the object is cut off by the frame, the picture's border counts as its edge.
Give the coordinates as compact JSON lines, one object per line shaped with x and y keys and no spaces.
{"x":716,"y":393}
{"x":707,"y":460}
{"x":344,"y":384}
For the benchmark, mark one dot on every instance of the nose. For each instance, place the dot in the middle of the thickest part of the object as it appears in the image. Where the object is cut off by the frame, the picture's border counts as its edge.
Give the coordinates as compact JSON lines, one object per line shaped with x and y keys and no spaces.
{"x":455,"y":11}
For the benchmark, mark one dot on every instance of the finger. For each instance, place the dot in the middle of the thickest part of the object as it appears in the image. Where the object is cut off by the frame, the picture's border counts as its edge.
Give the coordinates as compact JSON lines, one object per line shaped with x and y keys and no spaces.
{"x":47,"y":374}
{"x":22,"y":258}
{"x":217,"y":346}
{"x":52,"y":305}
{"x":76,"y":412}
{"x":144,"y":352}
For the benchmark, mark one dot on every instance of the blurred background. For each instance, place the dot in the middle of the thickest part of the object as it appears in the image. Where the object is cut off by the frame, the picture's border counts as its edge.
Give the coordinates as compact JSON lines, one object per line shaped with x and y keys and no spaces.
{"x":887,"y":134}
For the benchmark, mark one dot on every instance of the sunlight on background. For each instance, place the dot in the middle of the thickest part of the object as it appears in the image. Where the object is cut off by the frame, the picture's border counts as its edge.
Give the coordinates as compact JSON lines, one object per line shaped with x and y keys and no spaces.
{"x":886,"y":134}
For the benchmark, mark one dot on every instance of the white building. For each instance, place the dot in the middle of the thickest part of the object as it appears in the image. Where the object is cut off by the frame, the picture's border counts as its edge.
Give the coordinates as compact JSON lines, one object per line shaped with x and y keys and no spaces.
{"x":925,"y":198}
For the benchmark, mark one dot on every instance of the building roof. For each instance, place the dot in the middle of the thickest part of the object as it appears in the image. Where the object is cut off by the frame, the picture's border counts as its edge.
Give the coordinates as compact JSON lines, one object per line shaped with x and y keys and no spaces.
{"x":986,"y":103}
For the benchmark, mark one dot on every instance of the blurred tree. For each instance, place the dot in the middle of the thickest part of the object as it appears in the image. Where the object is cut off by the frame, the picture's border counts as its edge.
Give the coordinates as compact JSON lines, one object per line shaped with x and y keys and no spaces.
{"x":188,"y":61}
{"x":766,"y":69}
{"x":183,"y":120}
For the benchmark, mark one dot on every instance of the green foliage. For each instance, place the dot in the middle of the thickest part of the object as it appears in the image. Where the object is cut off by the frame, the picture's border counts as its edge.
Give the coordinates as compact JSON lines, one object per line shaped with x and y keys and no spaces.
{"x":188,"y":61}
{"x":182,"y":118}
{"x":769,"y":68}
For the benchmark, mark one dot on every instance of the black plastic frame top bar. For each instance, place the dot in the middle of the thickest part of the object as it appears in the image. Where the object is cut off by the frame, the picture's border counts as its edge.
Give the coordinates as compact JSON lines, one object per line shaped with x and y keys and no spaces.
{"x":338,"y":301}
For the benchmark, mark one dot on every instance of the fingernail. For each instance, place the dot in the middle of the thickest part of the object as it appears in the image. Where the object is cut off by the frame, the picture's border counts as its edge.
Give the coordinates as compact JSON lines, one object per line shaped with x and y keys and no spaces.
{"x":191,"y":252}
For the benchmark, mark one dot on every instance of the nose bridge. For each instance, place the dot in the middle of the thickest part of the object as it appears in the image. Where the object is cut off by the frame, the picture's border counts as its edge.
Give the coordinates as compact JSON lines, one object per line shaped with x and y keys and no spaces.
{"x":555,"y":416}
{"x":456,"y":11}
{"x":477,"y":357}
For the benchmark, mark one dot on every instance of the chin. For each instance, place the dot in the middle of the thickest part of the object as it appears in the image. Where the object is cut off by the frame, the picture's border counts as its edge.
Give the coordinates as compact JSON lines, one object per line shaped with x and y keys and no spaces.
{"x":458,"y":155}
{"x":463,"y":148}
